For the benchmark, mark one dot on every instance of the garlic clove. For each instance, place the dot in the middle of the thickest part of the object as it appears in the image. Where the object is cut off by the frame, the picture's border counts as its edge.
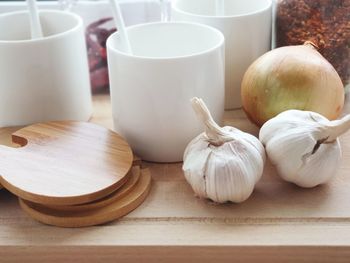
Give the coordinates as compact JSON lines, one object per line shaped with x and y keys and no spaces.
{"x":195,"y":166}
{"x":233,"y":172}
{"x":317,"y":169}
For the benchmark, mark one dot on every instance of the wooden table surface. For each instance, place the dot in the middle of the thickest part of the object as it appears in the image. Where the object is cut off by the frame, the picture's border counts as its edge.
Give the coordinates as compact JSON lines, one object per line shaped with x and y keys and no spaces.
{"x":279,"y":223}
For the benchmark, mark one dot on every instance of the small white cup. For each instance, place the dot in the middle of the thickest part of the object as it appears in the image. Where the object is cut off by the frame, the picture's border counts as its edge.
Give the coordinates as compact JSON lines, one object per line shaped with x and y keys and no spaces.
{"x":43,"y":79}
{"x":246,"y":25}
{"x":151,"y":89}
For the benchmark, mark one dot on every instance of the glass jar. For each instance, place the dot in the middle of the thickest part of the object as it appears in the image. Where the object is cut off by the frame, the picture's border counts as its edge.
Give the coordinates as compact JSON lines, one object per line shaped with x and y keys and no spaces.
{"x":97,"y":16}
{"x":324,"y":22}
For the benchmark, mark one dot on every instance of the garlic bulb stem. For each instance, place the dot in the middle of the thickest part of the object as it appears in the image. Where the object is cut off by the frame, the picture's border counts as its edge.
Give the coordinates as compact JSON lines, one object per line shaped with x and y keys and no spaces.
{"x":338,"y":127}
{"x":216,"y":135}
{"x":311,"y":44}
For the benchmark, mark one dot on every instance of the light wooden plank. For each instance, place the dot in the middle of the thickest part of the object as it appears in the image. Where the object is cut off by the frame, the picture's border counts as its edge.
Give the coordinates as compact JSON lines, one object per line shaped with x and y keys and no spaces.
{"x":279,"y":223}
{"x":170,"y":232}
{"x":203,"y":254}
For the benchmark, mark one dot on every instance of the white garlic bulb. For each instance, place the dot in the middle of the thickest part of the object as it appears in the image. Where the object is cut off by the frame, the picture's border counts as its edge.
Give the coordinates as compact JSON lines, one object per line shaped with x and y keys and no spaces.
{"x":222,"y":164}
{"x":304,"y":146}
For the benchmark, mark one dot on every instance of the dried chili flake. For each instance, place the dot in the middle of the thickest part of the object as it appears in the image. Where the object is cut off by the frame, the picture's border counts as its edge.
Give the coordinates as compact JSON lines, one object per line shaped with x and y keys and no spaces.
{"x":96,"y":36}
{"x":324,"y":22}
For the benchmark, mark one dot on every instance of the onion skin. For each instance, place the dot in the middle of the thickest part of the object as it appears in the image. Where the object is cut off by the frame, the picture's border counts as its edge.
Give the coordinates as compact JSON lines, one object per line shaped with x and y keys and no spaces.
{"x":292,"y":77}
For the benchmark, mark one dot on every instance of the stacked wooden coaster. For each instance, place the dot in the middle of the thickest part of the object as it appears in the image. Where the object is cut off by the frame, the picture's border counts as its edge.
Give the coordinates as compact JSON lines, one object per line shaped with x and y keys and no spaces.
{"x":73,"y":174}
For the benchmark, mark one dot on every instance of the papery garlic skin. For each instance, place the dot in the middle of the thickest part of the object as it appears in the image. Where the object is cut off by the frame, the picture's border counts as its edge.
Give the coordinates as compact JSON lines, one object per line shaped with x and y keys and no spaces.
{"x":224,"y":172}
{"x":303,"y":146}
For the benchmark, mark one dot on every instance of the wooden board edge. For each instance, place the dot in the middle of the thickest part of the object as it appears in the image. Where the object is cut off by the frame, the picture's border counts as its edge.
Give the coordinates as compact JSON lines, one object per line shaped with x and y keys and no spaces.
{"x":170,"y":254}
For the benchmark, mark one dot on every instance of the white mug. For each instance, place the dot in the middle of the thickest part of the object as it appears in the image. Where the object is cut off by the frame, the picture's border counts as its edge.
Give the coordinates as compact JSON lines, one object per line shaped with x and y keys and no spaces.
{"x":246,"y":25}
{"x":151,"y":89}
{"x":43,"y":79}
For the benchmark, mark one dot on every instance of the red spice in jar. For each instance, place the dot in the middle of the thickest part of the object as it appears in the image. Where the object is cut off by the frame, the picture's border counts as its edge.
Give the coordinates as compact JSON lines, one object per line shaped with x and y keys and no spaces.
{"x":324,"y":22}
{"x":96,"y":36}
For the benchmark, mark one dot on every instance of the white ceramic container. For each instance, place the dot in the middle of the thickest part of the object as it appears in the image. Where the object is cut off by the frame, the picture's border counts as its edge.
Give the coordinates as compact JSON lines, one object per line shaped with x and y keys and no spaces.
{"x":246,"y":25}
{"x":93,"y":13}
{"x":151,"y":89}
{"x":43,"y":79}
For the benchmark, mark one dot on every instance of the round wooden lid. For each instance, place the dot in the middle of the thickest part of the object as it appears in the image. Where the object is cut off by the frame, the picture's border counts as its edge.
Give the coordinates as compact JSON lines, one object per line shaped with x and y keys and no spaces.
{"x":65,"y":163}
{"x":135,"y":173}
{"x":112,"y":211}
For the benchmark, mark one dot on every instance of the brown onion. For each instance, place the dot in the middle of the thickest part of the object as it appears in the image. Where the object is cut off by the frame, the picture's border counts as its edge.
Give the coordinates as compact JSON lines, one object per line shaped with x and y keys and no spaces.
{"x":292,"y":77}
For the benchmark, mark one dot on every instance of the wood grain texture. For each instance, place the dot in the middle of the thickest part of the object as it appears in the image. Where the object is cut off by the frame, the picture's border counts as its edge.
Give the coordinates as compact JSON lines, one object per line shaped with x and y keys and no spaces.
{"x":175,"y":254}
{"x":100,"y":215}
{"x":118,"y":194}
{"x":65,"y":163}
{"x":6,"y":139}
{"x":279,"y":223}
